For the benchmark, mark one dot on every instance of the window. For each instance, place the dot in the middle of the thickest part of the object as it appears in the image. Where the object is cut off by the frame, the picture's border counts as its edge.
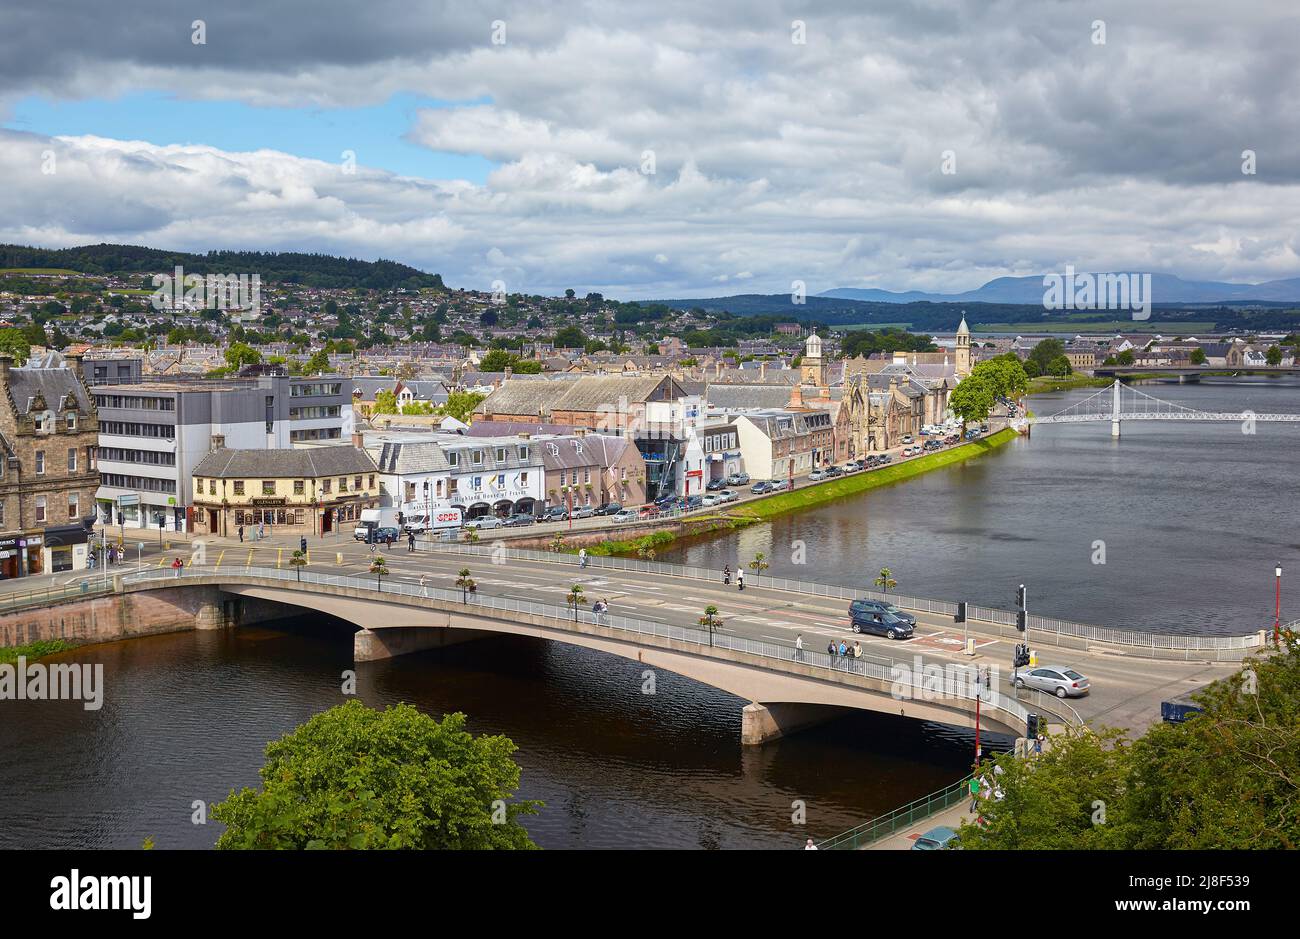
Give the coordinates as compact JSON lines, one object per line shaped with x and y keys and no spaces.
{"x":453,"y":458}
{"x":198,"y":487}
{"x":268,"y":487}
{"x":40,"y":462}
{"x":72,"y":422}
{"x":40,"y":508}
{"x":523,"y":479}
{"x":356,"y":484}
{"x":501,"y":454}
{"x":325,"y":485}
{"x":372,"y":481}
{"x":501,"y":480}
{"x":478,"y":482}
{"x":563,"y":477}
{"x":239,"y":487}
{"x":2,"y":513}
{"x":212,"y":487}
{"x":343,"y":484}
{"x":299,"y":487}
{"x":523,"y":454}
{"x":74,"y":506}
{"x":72,"y":459}
{"x":586,"y":474}
{"x":476,"y":457}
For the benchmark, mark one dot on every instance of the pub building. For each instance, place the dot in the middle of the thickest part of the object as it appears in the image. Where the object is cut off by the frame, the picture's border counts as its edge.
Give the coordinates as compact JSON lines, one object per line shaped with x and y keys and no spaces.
{"x":313,"y":490}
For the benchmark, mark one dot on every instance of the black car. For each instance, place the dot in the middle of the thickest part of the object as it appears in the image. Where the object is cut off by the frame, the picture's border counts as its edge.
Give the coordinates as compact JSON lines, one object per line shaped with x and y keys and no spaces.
{"x":609,"y":508}
{"x":716,"y":484}
{"x":882,"y":624}
{"x":694,"y":502}
{"x":867,"y":607}
{"x":518,"y":519}
{"x":832,"y":471}
{"x":383,"y":535}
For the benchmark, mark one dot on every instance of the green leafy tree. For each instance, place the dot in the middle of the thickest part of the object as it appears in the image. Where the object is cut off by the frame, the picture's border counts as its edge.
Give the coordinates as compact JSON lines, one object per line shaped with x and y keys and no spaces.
{"x":14,"y":343}
{"x":1125,"y":357}
{"x":1197,"y":357}
{"x":498,"y":360}
{"x":570,"y":337}
{"x":240,"y":354}
{"x":465,"y":582}
{"x":972,"y":400}
{"x":1043,"y":354}
{"x":319,"y":362}
{"x":461,"y":405}
{"x":1060,"y":365}
{"x":385,"y":402}
{"x":298,"y":560}
{"x":359,"y":778}
{"x":885,"y":580}
{"x":1273,"y":356}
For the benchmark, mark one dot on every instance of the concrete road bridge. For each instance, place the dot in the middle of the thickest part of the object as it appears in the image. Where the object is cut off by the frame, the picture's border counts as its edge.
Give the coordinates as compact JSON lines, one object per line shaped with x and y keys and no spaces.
{"x":654,"y":621}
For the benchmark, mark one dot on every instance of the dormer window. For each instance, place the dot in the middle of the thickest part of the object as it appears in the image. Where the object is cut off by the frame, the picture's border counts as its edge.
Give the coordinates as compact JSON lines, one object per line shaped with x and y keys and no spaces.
{"x":71,"y":421}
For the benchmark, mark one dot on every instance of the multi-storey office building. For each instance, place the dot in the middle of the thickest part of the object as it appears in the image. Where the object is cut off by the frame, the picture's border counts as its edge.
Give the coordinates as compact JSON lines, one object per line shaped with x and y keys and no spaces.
{"x":154,"y":433}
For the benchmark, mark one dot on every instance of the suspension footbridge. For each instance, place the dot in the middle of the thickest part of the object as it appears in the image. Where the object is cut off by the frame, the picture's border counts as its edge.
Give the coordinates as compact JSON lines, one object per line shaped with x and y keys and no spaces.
{"x":1119,"y":402}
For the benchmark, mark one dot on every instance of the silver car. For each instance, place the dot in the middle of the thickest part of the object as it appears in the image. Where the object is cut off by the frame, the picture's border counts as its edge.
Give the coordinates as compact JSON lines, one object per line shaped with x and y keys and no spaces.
{"x":1062,"y":682}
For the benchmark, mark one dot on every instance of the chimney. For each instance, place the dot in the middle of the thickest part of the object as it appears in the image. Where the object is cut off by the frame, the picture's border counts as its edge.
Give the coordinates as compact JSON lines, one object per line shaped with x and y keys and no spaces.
{"x":218,"y":442}
{"x":580,"y":431}
{"x":524,"y":435}
{"x":358,"y":440}
{"x":6,"y":361}
{"x":762,"y":371}
{"x":796,"y":397}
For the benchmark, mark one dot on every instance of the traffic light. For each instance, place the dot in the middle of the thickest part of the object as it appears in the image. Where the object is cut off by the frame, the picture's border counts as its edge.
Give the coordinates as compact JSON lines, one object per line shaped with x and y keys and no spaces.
{"x":1035,"y":724}
{"x":1021,"y":620}
{"x":960,"y":616}
{"x":1020,"y":598}
{"x":1021,"y":657}
{"x":121,"y":519}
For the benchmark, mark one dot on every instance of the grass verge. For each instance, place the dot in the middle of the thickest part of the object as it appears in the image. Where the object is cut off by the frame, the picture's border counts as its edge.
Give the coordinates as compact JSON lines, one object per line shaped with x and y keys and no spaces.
{"x":34,"y":650}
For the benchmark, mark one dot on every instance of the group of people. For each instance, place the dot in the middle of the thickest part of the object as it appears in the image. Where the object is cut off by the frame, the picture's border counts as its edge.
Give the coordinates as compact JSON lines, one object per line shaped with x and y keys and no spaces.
{"x":261,"y":531}
{"x":740,"y":576}
{"x":115,"y":556}
{"x":842,"y":652}
{"x":982,"y":787}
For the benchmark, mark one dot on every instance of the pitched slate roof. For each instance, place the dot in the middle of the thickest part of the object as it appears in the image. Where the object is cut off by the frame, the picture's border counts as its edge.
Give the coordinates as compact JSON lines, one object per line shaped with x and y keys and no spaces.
{"x":589,"y":393}
{"x":51,"y":384}
{"x":311,"y":462}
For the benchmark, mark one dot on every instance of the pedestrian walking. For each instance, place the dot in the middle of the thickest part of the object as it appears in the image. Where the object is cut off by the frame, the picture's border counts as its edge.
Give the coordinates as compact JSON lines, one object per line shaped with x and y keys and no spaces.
{"x":410,"y":541}
{"x":726,"y":575}
{"x":974,"y":793}
{"x":740,"y":578}
{"x":798,"y":647}
{"x":832,"y":652}
{"x":844,"y":651}
{"x":177,"y":564}
{"x":582,"y":557}
{"x":241,"y":534}
{"x":1038,"y":744}
{"x":857,"y":653}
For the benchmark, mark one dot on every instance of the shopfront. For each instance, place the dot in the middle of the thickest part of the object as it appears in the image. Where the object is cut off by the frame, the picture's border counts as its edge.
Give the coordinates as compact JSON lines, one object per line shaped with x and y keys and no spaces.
{"x":22,"y":555}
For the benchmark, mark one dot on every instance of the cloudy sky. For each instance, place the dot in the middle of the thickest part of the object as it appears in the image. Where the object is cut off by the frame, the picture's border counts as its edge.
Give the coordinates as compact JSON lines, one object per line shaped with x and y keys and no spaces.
{"x":665,"y":149}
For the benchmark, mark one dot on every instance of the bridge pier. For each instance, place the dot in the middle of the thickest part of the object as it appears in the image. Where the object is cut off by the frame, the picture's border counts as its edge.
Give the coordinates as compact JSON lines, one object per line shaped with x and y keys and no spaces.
{"x":372,"y":645}
{"x":760,"y":723}
{"x":1114,"y":427}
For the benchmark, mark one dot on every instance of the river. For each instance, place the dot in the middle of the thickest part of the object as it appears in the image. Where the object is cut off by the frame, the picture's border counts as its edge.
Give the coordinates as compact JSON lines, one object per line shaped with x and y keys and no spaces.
{"x":1193,"y":517}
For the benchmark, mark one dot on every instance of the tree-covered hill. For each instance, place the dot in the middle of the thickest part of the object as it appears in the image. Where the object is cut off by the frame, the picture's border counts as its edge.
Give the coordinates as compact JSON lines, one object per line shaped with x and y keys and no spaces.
{"x":311,"y":270}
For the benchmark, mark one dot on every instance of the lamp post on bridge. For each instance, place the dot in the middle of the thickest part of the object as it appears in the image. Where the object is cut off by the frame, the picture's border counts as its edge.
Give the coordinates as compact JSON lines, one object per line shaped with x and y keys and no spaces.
{"x":1277,"y":607}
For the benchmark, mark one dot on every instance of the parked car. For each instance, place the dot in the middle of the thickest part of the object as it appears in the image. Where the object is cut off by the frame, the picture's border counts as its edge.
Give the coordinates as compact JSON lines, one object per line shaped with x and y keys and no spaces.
{"x":939,"y":838}
{"x":483,"y":522}
{"x":727,"y":495}
{"x":519,"y":519}
{"x":710,"y":500}
{"x":860,"y":607}
{"x":816,"y":476}
{"x":884,"y":458}
{"x":583,"y":511}
{"x":556,"y":513}
{"x":738,"y":479}
{"x":388,"y":532}
{"x":907,"y":438}
{"x":610,"y":508}
{"x":715,"y":484}
{"x":777,"y":485}
{"x":760,"y":487}
{"x":881,"y":624}
{"x":648,"y":511}
{"x":832,"y":471}
{"x":851,"y":467}
{"x":624,"y":515}
{"x":1062,"y":682}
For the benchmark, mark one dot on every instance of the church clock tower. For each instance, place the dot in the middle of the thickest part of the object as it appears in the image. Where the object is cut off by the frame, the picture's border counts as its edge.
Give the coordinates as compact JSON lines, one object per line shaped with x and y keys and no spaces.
{"x":812,"y":371}
{"x":963,"y":349}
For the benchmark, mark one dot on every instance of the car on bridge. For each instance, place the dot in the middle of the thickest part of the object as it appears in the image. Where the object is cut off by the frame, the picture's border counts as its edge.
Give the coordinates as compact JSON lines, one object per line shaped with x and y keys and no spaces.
{"x":882,"y":624}
{"x":1062,"y":682}
{"x":860,"y":607}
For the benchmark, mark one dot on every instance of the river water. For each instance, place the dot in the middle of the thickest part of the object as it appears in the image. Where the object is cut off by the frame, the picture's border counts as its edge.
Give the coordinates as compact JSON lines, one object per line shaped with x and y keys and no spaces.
{"x":1193,"y":518}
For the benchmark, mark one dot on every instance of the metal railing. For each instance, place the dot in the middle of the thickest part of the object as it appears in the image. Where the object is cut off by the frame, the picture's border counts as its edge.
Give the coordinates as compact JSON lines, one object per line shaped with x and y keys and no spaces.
{"x":900,"y":818}
{"x":915,"y":604}
{"x":89,"y":587}
{"x":903,"y":686}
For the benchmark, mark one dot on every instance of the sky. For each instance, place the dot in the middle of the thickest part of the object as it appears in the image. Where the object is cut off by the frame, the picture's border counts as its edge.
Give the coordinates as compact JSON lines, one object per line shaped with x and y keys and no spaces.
{"x":665,"y":150}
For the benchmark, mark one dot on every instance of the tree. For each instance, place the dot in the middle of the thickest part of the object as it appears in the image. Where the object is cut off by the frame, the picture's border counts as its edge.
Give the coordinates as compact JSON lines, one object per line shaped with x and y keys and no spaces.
{"x":461,"y":405}
{"x":14,"y":344}
{"x":1197,"y":357}
{"x":570,"y":337}
{"x":319,"y":362}
{"x":1229,"y":778}
{"x":466,"y":583}
{"x":1125,"y":357}
{"x":240,"y":354}
{"x":575,"y":597}
{"x":557,"y":543}
{"x":498,"y":360}
{"x":759,"y":564}
{"x":1043,"y":354}
{"x":1060,"y":365}
{"x":1273,"y":356}
{"x":385,"y":402}
{"x":360,"y":778}
{"x":885,"y":581}
{"x":972,"y":399}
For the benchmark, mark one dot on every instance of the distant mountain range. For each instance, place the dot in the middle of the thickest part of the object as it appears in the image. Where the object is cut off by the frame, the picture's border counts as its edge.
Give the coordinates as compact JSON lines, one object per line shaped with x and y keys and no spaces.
{"x":1165,"y":288}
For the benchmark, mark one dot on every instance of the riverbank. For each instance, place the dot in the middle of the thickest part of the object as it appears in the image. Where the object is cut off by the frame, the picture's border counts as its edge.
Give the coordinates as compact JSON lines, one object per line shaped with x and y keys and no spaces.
{"x":819,"y":493}
{"x":33,"y":650}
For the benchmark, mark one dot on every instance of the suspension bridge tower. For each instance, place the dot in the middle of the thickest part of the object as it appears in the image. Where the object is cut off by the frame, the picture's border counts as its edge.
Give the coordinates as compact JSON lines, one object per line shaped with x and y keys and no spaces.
{"x":1114,"y":409}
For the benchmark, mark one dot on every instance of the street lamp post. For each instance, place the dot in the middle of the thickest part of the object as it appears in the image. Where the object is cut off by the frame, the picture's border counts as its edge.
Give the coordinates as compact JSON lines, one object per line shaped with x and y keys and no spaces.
{"x":978,"y":695}
{"x":1277,"y":607}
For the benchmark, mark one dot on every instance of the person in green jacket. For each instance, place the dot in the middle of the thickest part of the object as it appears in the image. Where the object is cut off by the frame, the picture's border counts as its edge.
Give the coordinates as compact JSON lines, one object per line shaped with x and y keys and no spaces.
{"x":974,"y":793}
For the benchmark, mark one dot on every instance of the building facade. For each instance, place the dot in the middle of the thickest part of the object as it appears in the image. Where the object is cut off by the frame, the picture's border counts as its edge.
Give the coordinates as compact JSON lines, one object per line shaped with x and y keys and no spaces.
{"x":48,"y":434}
{"x":310,"y":490}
